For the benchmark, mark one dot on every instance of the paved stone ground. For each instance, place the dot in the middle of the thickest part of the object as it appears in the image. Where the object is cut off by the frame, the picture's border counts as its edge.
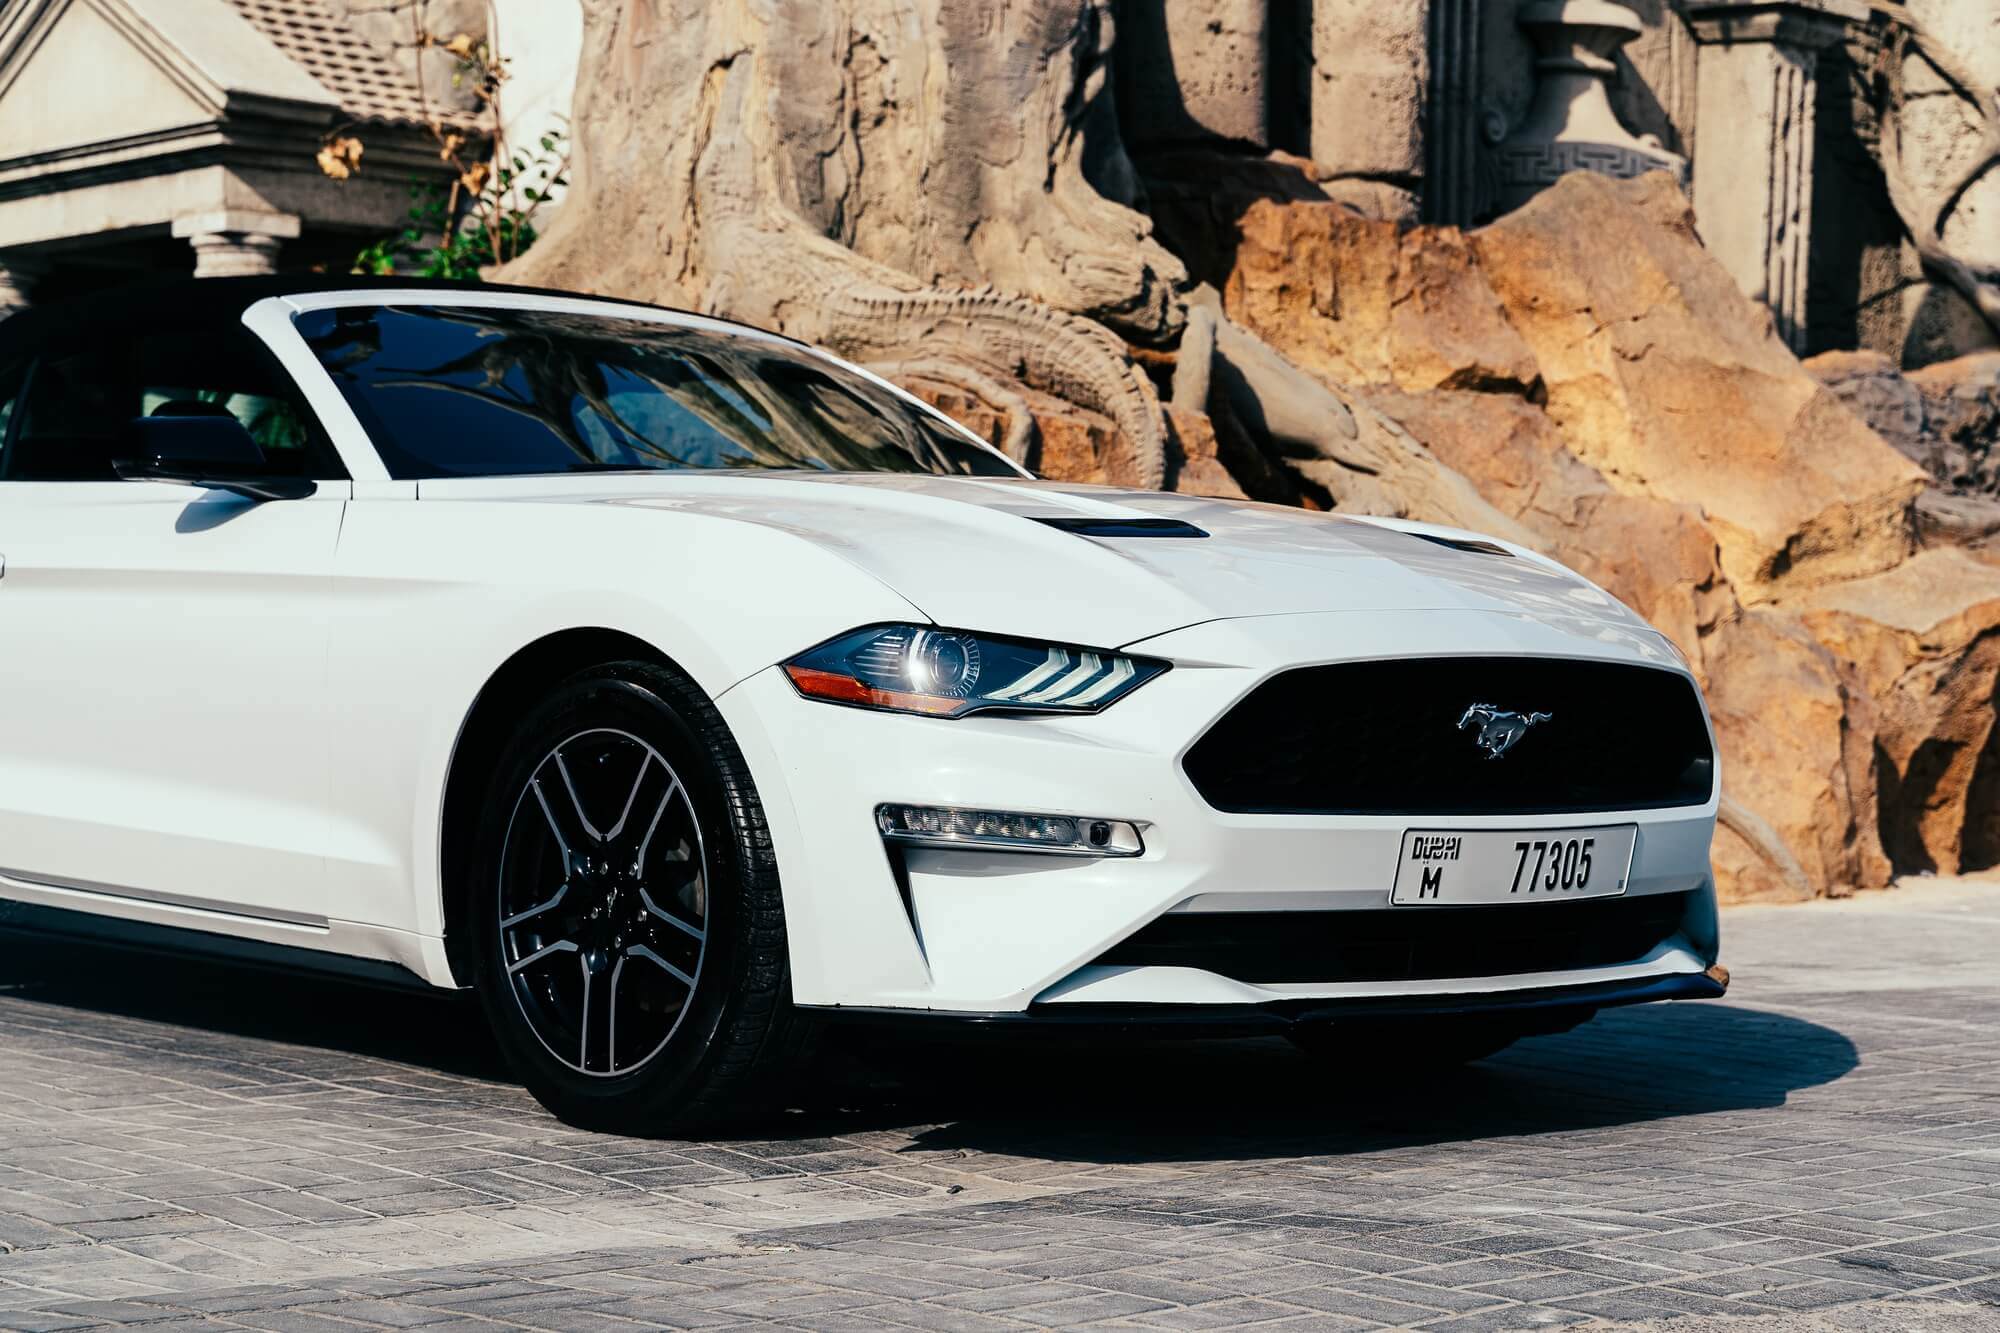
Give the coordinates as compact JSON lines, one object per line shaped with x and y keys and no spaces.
{"x":187,"y":1145}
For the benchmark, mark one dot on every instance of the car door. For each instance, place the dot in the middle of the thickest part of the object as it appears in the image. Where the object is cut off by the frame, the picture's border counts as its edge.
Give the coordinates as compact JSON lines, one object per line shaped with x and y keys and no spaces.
{"x":162,"y":646}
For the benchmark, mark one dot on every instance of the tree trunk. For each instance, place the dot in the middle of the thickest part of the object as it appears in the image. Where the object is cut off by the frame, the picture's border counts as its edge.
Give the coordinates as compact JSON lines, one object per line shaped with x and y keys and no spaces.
{"x":918,"y":181}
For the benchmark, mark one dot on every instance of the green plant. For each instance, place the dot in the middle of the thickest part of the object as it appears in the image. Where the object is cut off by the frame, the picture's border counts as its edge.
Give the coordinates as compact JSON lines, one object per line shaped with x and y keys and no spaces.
{"x":485,"y":214}
{"x":485,"y":218}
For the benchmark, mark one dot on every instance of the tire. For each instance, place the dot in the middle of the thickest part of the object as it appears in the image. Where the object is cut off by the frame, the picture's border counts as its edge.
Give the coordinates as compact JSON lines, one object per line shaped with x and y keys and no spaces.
{"x":630,"y":936}
{"x":1420,"y":1046}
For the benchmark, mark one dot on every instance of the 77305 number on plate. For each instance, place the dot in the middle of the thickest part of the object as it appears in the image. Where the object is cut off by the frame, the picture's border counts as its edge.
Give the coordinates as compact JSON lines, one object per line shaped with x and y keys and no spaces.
{"x":1460,"y":867}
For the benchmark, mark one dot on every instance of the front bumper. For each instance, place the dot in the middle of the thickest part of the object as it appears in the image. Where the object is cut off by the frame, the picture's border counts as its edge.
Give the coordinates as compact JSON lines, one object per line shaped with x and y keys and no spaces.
{"x":980,"y":933}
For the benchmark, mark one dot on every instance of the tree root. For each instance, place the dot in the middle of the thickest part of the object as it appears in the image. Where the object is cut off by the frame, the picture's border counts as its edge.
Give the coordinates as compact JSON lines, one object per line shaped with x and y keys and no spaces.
{"x":1926,"y":226}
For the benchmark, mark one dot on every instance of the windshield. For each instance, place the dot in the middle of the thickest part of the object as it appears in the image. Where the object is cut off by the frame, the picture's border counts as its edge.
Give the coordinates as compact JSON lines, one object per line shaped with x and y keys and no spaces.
{"x":476,"y":391}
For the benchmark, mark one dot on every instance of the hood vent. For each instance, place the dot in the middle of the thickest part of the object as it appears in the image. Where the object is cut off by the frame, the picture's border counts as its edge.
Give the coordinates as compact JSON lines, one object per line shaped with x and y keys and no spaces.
{"x":1461,"y":544}
{"x":1121,"y":527}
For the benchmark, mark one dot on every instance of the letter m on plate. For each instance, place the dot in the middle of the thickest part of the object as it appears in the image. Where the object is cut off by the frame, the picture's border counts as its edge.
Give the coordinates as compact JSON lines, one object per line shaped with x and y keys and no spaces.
{"x":1433,"y":882}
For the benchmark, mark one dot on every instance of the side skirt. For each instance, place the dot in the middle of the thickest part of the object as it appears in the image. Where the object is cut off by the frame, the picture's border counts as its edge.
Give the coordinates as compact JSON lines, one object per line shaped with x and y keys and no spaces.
{"x":33,"y":920}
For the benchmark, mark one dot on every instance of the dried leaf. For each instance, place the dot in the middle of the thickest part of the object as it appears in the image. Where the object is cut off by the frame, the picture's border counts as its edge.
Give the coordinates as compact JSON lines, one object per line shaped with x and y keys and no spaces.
{"x":339,"y":157}
{"x":452,"y":143}
{"x":474,"y":180}
{"x":460,"y":46}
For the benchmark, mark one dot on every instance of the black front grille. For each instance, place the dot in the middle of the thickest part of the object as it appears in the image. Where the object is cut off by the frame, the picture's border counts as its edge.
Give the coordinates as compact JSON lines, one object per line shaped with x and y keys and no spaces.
{"x":1406,"y":943}
{"x":1384,"y":738}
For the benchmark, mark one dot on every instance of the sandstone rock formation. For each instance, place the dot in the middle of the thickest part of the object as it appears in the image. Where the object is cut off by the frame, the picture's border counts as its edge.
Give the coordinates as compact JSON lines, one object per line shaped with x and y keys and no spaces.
{"x":1658,"y":370}
{"x":1589,"y":367}
{"x":1945,"y":417}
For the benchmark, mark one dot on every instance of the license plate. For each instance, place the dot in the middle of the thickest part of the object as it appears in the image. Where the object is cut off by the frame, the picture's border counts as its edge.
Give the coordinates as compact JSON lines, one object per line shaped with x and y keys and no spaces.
{"x":1458,"y":868}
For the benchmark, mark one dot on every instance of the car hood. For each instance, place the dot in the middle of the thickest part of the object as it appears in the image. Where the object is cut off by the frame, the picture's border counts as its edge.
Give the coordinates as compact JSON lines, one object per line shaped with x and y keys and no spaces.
{"x":1005,"y":557}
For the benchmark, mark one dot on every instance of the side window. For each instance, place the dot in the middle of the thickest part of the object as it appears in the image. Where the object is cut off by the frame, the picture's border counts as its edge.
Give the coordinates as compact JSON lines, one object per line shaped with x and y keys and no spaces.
{"x":79,"y":398}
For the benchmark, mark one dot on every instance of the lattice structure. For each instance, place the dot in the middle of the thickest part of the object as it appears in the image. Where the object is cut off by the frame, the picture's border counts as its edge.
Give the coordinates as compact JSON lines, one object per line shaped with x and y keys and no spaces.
{"x":370,"y":82}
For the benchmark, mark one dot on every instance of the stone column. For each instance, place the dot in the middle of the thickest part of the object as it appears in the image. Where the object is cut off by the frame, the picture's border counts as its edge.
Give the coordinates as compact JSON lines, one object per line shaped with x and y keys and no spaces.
{"x":18,"y":276}
{"x":1370,"y":80}
{"x":1570,"y":126}
{"x":1453,"y":192}
{"x":1756,"y":142}
{"x":232,"y":243}
{"x":1199,"y":69}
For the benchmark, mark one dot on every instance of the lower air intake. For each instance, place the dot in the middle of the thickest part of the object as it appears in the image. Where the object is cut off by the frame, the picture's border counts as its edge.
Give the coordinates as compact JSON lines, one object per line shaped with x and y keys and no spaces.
{"x":1406,"y":943}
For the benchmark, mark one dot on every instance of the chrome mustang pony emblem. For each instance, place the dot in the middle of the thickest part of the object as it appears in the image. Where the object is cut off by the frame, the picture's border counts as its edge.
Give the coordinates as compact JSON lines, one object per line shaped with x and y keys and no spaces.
{"x":1498,"y":730}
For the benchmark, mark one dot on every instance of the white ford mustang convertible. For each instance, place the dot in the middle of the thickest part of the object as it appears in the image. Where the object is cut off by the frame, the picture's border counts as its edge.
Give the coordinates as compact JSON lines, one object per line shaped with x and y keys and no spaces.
{"x":682,"y":689}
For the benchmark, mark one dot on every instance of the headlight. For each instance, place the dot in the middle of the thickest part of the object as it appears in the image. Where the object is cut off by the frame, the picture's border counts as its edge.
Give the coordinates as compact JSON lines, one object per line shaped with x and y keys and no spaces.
{"x":949,"y":673}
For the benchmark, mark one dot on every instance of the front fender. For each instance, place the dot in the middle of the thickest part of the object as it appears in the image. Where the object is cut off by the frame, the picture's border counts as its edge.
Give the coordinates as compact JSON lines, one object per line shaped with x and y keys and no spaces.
{"x":438,"y":595}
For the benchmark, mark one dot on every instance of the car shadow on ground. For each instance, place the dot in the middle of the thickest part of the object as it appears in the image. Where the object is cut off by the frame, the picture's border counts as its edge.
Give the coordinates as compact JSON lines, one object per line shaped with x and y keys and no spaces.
{"x":436,"y":1030}
{"x":1112,"y":1097}
{"x":1207,"y":1101}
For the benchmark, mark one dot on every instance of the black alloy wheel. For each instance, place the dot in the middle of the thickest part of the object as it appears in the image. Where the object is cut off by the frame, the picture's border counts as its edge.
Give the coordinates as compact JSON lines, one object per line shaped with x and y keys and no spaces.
{"x":622,"y":934}
{"x":631,"y":950}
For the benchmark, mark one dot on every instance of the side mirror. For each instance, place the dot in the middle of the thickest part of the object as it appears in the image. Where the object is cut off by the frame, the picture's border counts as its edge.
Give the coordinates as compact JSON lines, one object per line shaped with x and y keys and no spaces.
{"x":213,"y":451}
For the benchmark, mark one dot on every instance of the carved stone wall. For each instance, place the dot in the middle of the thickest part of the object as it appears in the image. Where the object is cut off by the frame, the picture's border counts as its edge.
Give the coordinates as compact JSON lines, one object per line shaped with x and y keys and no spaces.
{"x":1571,"y":125}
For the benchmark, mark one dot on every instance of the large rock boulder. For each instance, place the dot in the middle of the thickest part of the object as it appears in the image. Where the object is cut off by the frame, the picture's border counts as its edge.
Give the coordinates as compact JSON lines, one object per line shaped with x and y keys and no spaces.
{"x":1923,"y":640}
{"x":1655,"y":555}
{"x":1603,"y":383}
{"x":1598,"y":300}
{"x":1366,"y":302}
{"x":1671,"y":382}
{"x":1797,"y":733}
{"x":1945,"y":418}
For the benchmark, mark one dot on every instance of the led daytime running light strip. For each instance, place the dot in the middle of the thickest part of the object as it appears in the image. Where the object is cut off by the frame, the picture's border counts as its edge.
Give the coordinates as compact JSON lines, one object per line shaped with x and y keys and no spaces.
{"x":1035,"y":687}
{"x":1007,"y":830}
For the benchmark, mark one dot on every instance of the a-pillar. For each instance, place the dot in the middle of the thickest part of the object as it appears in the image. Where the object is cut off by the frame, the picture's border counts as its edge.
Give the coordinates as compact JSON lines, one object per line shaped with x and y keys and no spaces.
{"x":1756,"y":141}
{"x":236,"y":243}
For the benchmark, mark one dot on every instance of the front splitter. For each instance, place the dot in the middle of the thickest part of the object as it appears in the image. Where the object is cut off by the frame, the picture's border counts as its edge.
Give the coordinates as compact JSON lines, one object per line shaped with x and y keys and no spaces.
{"x":1275,"y":1017}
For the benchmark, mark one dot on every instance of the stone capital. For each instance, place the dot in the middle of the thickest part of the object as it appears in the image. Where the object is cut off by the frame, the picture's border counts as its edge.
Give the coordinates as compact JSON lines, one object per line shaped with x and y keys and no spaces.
{"x":238,"y":222}
{"x":1804,"y":24}
{"x":234,"y":254}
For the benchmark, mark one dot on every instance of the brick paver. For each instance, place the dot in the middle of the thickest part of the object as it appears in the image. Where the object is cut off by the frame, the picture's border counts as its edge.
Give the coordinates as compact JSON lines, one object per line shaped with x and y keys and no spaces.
{"x":189,"y":1146}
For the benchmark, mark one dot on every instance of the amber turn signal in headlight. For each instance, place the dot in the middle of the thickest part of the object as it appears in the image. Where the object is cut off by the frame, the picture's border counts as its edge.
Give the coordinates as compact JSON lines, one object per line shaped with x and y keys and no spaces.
{"x":949,"y":673}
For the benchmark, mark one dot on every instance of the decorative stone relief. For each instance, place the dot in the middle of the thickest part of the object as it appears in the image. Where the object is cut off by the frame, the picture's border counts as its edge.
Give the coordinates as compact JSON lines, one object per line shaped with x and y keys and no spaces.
{"x":1571,"y":126}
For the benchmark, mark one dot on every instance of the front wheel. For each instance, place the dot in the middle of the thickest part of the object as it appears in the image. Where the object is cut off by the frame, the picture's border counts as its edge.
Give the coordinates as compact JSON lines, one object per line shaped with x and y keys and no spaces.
{"x":631,"y":939}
